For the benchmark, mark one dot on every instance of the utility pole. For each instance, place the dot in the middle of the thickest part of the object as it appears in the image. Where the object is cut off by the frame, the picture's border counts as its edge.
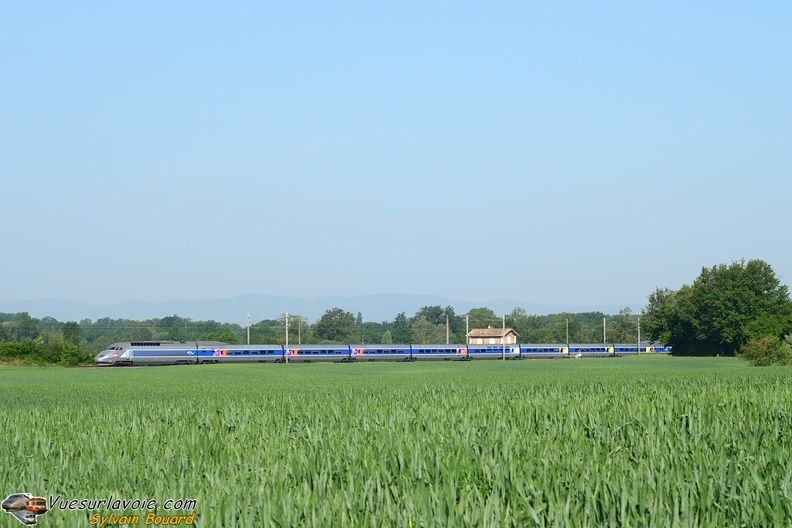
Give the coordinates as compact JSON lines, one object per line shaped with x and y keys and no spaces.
{"x":503,"y":340}
{"x":467,"y":333}
{"x":248,"y":328}
{"x":287,"y":337}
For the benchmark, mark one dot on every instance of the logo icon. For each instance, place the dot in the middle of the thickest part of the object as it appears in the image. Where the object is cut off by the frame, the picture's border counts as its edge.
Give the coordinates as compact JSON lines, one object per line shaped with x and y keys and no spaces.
{"x":25,"y":507}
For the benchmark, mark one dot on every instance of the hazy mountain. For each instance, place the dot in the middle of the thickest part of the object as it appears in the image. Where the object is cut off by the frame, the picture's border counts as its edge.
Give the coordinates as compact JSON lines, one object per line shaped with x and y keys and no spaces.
{"x":380,"y":307}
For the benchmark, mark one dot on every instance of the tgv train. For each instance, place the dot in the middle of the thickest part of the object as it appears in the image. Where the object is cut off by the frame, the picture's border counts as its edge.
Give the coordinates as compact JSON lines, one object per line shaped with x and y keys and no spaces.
{"x":197,"y":352}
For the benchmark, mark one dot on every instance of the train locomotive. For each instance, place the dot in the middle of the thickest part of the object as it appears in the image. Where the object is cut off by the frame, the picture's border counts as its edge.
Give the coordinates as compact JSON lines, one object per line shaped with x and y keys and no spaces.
{"x":142,"y":353}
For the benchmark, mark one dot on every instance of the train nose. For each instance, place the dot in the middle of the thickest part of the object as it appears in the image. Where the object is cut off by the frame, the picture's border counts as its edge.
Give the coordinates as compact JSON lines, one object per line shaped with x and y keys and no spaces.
{"x":106,"y":357}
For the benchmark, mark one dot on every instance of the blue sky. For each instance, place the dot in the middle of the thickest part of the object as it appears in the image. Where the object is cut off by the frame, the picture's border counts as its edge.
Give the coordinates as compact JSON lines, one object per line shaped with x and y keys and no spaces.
{"x":573,"y":153}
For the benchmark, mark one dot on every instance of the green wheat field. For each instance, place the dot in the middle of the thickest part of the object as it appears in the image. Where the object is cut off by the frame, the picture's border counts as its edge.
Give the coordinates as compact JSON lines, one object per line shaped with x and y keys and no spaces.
{"x":644,"y":441}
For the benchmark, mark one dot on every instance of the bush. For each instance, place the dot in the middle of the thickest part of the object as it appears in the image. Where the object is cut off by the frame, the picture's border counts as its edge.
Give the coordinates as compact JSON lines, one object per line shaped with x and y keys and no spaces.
{"x":768,"y":350}
{"x":28,"y":351}
{"x":69,"y":356}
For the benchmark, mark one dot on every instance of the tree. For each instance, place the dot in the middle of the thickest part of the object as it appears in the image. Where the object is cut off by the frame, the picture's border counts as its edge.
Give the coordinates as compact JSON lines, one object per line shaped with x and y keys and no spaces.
{"x":172,"y":327}
{"x":560,"y":325}
{"x":439,"y":316}
{"x":724,"y":308}
{"x":225,"y":336}
{"x":299,"y":329}
{"x":424,"y":332}
{"x":482,"y":318}
{"x":767,"y":350}
{"x":456,"y":324}
{"x":335,"y":325}
{"x":434,"y":314}
{"x":22,"y":326}
{"x":624,"y":328}
{"x":71,"y":332}
{"x":400,"y":332}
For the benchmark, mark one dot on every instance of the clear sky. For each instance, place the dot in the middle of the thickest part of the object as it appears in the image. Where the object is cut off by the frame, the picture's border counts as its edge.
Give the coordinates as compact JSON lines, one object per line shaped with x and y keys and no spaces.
{"x":575,"y":153}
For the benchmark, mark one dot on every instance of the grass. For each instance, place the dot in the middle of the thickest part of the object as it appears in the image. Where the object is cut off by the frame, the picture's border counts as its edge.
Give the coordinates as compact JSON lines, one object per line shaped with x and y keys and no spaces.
{"x":647,"y":441}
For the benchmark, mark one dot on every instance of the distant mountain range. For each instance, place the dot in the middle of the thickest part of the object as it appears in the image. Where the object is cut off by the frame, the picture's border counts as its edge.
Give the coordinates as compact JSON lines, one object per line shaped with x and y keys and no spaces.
{"x":377,"y":308}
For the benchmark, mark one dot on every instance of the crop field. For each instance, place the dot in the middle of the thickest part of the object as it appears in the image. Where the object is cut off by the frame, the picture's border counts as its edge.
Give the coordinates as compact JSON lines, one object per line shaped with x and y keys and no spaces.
{"x":645,"y":441}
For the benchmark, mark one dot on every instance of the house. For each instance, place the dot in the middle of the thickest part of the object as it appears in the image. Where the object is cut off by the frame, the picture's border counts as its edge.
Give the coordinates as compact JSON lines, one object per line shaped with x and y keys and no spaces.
{"x":492,"y":336}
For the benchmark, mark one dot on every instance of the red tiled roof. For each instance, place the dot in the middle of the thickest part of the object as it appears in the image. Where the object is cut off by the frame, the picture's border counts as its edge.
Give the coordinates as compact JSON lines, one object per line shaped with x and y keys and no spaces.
{"x":490,"y":332}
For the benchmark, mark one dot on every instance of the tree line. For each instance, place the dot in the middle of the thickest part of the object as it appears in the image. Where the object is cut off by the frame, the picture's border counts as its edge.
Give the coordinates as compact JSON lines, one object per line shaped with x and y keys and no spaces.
{"x":731,"y":309}
{"x":47,"y":340}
